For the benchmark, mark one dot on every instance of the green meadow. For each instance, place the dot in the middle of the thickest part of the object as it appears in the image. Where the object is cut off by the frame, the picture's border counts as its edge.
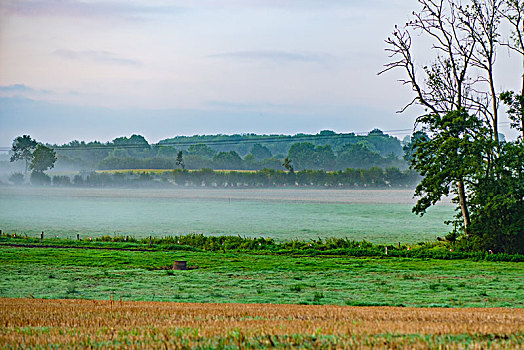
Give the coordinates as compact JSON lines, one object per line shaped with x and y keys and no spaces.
{"x":249,"y":278}
{"x":378,"y":216}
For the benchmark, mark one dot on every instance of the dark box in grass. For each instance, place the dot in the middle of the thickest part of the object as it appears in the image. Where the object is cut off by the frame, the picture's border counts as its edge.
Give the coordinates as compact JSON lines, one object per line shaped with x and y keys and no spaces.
{"x":180,"y":265}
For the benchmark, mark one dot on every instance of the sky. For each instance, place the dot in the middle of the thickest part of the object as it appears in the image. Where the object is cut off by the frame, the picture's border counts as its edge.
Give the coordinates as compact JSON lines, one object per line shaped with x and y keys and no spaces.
{"x":97,"y":70}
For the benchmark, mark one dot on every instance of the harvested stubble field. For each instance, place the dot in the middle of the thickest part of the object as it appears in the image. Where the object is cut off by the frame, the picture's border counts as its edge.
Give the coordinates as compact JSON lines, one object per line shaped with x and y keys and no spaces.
{"x":33,"y":323}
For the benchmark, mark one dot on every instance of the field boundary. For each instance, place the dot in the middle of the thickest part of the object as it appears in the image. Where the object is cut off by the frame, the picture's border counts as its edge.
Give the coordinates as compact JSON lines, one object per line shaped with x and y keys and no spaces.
{"x":332,"y":247}
{"x":18,"y":245}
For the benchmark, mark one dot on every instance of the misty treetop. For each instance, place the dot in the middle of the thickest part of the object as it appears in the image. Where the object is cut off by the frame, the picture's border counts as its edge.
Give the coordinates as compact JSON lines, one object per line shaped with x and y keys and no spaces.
{"x":326,"y":150}
{"x":350,"y":178}
{"x":22,"y":149}
{"x":37,"y":157}
{"x":244,"y":144}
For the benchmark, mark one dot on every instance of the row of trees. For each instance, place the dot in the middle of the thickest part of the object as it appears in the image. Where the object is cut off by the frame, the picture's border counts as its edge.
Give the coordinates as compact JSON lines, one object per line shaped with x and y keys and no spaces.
{"x":280,"y":144}
{"x":460,"y":152}
{"x":349,"y":178}
{"x":304,"y":155}
{"x":235,"y":151}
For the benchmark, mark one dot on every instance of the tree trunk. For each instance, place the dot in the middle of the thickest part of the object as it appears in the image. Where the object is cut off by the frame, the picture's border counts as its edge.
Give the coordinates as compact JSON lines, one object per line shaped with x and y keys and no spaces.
{"x":463,"y":205}
{"x":494,"y":106}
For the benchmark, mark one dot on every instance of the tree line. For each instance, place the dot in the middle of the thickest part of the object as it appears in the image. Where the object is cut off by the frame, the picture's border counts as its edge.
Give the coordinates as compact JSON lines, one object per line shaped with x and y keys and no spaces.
{"x":326,"y":150}
{"x":350,"y":178}
{"x":304,"y":155}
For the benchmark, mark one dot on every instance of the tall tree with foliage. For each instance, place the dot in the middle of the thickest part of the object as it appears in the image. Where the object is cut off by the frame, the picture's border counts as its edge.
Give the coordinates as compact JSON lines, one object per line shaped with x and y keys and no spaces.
{"x":462,"y":154}
{"x":44,"y":158}
{"x":201,"y":150}
{"x":23,"y":148}
{"x":260,"y":152}
{"x":180,"y":160}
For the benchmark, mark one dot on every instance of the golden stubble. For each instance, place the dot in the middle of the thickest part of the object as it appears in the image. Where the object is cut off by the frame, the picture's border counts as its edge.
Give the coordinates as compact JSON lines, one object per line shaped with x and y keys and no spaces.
{"x":118,"y":324}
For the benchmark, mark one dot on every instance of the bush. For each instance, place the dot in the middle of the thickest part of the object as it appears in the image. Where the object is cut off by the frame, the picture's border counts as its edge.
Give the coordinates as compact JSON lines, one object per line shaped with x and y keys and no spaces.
{"x":16,"y":178}
{"x":39,"y":178}
{"x":61,"y":181}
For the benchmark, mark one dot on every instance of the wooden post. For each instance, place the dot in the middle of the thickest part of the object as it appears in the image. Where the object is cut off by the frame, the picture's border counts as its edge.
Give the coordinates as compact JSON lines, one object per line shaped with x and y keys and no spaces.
{"x":42,"y":237}
{"x":77,"y":237}
{"x":398,"y":245}
{"x":149,"y":241}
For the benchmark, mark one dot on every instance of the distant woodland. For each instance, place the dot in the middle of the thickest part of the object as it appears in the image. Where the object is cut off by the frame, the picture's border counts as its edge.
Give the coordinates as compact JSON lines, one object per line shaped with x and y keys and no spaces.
{"x":326,"y":159}
{"x":326,"y":150}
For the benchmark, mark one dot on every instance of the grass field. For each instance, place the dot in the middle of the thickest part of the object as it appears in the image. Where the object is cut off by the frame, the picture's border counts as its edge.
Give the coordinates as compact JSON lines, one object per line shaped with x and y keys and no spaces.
{"x":379,"y":216}
{"x":36,"y":323}
{"x":247,"y":278}
{"x":133,"y":299}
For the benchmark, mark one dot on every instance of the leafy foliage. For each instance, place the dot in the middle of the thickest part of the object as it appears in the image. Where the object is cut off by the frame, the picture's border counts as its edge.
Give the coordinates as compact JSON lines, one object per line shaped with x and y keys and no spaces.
{"x":350,"y":178}
{"x":23,"y":147}
{"x":515,"y":102}
{"x":260,"y":152}
{"x":17,"y":178}
{"x":263,"y":245}
{"x":458,"y":150}
{"x":180,"y":160}
{"x":44,"y":158}
{"x":214,"y":151}
{"x":39,"y":178}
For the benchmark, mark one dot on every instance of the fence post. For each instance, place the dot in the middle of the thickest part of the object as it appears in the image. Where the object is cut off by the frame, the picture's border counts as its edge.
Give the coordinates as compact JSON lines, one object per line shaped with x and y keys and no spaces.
{"x":42,"y":237}
{"x":149,"y":241}
{"x":77,"y":237}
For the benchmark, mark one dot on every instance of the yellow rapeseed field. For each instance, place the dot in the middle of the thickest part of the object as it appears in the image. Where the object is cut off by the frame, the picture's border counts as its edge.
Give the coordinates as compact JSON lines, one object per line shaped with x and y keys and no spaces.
{"x":33,"y":323}
{"x":135,"y":171}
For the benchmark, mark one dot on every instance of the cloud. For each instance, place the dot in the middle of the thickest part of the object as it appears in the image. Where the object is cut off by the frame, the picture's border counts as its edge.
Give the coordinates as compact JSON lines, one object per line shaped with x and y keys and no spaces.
{"x":16,"y":88}
{"x":262,"y":106}
{"x":76,"y":8}
{"x":288,"y":4}
{"x":272,"y":55}
{"x":104,"y":57}
{"x":56,"y":122}
{"x":20,"y":89}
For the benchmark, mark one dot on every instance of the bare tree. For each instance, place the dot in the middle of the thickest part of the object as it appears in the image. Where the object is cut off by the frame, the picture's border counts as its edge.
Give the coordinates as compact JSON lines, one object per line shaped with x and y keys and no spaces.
{"x":481,"y":20}
{"x":444,"y":87}
{"x":458,"y":91}
{"x":513,"y":12}
{"x":445,"y":84}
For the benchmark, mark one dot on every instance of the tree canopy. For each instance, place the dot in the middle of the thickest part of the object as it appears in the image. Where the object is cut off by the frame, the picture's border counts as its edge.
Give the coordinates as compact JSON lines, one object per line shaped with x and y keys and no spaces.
{"x":44,"y":158}
{"x":23,"y":148}
{"x":457,"y":148}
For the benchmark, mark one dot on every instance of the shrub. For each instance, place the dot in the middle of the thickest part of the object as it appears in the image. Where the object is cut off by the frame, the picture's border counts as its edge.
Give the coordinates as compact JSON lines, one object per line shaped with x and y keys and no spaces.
{"x":16,"y":178}
{"x":39,"y":178}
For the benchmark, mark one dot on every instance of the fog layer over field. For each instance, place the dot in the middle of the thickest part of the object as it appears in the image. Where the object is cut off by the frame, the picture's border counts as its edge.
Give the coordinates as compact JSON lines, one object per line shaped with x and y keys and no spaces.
{"x":381,"y":216}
